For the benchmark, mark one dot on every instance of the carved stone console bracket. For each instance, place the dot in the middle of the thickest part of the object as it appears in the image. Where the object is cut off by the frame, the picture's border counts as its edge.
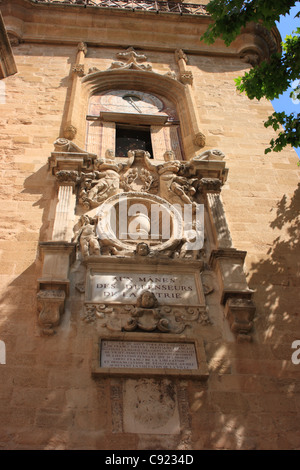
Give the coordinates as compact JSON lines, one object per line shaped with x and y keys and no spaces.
{"x":51,"y":306}
{"x":235,"y":293}
{"x":53,"y":285}
{"x":209,"y":165}
{"x":240,"y":312}
{"x":67,"y":156}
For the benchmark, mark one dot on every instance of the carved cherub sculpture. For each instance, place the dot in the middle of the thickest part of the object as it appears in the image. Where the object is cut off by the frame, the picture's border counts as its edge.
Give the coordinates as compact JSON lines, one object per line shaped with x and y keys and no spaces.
{"x":146,"y":315}
{"x":142,"y":249}
{"x":86,"y":237}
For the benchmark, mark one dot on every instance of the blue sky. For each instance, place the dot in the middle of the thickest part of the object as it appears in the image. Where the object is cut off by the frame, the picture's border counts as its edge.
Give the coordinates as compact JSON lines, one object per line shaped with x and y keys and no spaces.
{"x":286,"y":25}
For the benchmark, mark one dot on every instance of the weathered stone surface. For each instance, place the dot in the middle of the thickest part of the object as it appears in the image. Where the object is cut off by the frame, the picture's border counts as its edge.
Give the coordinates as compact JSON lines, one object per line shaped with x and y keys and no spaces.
{"x":48,"y":396}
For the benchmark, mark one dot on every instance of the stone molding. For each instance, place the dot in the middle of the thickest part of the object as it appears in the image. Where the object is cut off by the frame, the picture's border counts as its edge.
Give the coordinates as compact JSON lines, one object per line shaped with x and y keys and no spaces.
{"x":7,"y":62}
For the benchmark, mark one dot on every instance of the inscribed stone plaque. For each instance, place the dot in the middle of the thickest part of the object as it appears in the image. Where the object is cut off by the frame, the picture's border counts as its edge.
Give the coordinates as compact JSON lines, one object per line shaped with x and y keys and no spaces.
{"x":176,"y":289}
{"x":148,"y":355}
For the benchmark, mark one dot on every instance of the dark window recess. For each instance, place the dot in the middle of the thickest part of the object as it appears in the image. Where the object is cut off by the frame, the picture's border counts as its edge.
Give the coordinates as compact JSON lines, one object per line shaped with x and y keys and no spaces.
{"x":132,"y":139}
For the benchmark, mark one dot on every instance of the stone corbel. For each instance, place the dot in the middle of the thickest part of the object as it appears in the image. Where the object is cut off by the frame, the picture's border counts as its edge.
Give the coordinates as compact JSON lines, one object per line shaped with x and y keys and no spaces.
{"x":51,"y":306}
{"x":53,"y":285}
{"x":235,"y":293}
{"x":228,"y":264}
{"x":240,"y":314}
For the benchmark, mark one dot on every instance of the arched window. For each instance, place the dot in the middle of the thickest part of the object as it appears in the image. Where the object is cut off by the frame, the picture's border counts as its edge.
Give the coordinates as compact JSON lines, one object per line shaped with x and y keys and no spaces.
{"x":124,"y":120}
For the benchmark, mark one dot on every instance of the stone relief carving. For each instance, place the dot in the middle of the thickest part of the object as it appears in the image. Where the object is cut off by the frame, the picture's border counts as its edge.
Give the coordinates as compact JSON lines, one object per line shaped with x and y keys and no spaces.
{"x":70,"y":132}
{"x":149,"y":181}
{"x":209,"y":184}
{"x":132,"y":61}
{"x":186,"y":78}
{"x":65,"y":145}
{"x":199,"y":139}
{"x":250,"y":57}
{"x":65,"y":176}
{"x":126,"y":181}
{"x":14,"y":39}
{"x":179,"y":54}
{"x":214,"y":154}
{"x":99,"y":185}
{"x":240,"y":313}
{"x":145,"y":315}
{"x":50,"y":306}
{"x":86,"y":237}
{"x":82,"y":47}
{"x":175,"y":187}
{"x":79,"y":70}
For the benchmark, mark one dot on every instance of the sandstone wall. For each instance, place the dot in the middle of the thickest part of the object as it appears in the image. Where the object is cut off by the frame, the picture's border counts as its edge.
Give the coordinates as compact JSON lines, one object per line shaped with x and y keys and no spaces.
{"x":48,"y":398}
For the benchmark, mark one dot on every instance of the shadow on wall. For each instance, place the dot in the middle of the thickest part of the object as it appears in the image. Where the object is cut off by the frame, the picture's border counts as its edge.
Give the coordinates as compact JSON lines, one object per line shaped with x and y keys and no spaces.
{"x":251,"y":400}
{"x":277,"y":280}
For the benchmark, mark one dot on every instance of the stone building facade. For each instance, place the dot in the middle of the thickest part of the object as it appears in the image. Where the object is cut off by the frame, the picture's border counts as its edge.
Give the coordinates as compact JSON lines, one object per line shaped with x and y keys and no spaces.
{"x":120,"y":123}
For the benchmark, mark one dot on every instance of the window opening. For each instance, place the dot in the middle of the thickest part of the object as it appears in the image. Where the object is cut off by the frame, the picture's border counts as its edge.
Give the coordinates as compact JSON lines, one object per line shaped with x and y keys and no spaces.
{"x":132,"y":138}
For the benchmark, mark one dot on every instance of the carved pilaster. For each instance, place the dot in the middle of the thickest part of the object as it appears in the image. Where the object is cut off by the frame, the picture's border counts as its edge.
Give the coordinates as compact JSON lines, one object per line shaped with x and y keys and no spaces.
{"x":217,"y":215}
{"x":53,"y":285}
{"x":65,"y":209}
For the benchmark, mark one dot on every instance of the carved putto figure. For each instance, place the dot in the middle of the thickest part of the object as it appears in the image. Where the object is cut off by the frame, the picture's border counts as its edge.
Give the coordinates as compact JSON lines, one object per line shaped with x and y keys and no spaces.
{"x":177,"y":184}
{"x":86,"y":236}
{"x":102,"y":183}
{"x":169,"y":156}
